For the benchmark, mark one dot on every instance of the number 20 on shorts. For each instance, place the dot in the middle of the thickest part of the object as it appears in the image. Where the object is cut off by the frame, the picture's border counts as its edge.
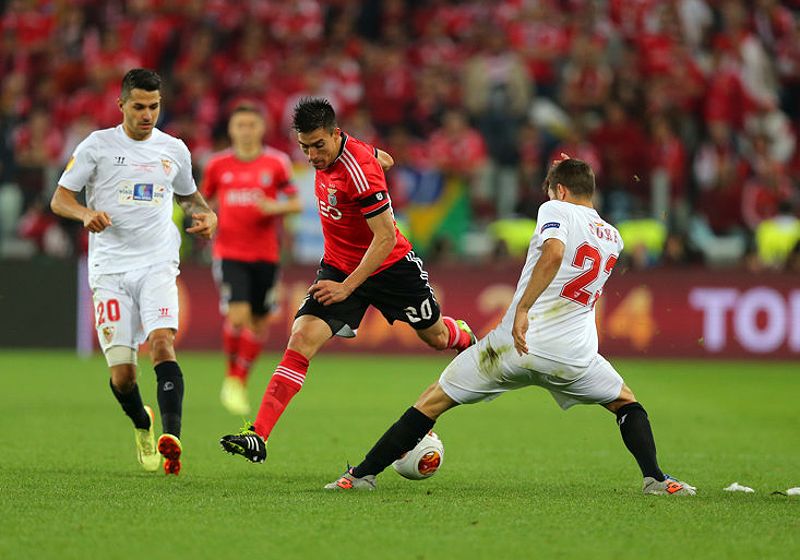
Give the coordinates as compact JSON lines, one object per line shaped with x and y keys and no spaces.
{"x":107,"y":311}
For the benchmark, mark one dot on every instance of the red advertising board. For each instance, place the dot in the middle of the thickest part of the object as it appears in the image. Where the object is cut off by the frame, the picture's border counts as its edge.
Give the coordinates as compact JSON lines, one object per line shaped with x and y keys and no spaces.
{"x":658,"y":313}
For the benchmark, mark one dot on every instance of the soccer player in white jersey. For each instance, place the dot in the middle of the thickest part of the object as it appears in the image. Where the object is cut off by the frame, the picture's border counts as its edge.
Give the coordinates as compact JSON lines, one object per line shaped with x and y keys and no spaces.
{"x":131,"y":174}
{"x":546,"y":338}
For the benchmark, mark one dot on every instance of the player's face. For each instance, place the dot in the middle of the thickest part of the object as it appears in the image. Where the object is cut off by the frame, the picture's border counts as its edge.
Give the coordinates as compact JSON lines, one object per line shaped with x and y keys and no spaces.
{"x":140,"y":113}
{"x":246,"y":129}
{"x":320,"y":146}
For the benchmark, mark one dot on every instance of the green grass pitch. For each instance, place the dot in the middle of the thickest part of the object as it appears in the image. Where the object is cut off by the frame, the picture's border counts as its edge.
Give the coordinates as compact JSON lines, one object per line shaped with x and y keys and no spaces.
{"x":521,"y":478}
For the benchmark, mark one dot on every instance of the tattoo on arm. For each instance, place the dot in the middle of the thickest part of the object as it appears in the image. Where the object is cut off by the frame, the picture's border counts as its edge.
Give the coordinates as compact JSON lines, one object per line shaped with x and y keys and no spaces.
{"x":193,"y":203}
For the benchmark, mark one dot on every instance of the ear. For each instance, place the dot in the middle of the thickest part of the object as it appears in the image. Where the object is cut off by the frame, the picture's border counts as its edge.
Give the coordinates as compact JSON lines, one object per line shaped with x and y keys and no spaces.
{"x":120,"y":103}
{"x":561,"y":192}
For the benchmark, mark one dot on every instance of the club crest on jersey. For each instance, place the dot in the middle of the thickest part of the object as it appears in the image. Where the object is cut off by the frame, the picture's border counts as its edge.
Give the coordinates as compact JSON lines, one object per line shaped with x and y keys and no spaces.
{"x":549,"y":225}
{"x":266,"y":178}
{"x":332,"y":197}
{"x":166,"y":165}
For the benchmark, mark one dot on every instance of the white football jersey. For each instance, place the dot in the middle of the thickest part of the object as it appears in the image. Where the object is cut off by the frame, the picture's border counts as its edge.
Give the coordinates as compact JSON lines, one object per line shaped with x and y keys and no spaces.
{"x":562,"y":322}
{"x":133,"y":182}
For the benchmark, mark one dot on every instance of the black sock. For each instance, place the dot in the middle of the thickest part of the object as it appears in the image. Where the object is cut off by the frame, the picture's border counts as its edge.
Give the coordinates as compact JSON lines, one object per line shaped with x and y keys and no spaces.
{"x":170,"y":396}
{"x":638,"y":438}
{"x":132,"y":405}
{"x":400,"y":438}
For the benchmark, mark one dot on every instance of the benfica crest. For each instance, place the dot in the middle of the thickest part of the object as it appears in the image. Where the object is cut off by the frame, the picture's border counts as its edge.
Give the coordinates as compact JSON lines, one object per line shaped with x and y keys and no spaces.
{"x":166,"y":165}
{"x":332,"y":197}
{"x":108,"y":333}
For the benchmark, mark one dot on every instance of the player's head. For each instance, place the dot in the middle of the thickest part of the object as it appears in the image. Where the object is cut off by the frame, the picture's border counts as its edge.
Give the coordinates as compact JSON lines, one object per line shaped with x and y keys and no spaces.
{"x":246,"y":126}
{"x":317,"y":132}
{"x":570,"y":178}
{"x":140,"y":102}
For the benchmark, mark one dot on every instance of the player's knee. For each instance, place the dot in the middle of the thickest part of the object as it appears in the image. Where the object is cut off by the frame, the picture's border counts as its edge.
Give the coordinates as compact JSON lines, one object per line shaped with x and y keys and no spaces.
{"x":122,"y":362}
{"x":162,"y":346}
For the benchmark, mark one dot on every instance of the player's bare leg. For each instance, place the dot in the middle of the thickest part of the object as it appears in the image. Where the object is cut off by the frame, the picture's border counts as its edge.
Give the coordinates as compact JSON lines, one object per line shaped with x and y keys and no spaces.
{"x":637,"y":435}
{"x":169,"y":380}
{"x":309,"y":335}
{"x":402,"y":436}
{"x":126,"y":391}
{"x":446,"y":333}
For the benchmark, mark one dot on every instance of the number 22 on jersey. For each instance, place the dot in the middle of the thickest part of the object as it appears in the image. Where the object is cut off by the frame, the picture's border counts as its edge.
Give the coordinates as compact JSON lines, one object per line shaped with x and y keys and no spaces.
{"x":575,"y":290}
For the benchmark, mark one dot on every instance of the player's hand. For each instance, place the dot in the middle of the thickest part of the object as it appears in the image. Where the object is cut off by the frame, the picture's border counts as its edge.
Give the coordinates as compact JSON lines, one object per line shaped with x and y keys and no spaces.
{"x":559,"y":159}
{"x":519,"y":331}
{"x":328,"y":292}
{"x":204,"y":224}
{"x":96,"y":221}
{"x":269,"y":206}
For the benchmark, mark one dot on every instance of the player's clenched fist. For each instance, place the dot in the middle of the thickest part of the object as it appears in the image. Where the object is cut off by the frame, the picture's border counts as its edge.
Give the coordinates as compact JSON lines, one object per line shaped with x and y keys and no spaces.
{"x":96,"y":221}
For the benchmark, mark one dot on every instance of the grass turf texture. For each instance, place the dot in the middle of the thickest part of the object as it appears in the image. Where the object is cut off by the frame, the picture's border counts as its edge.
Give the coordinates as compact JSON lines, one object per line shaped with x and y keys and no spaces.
{"x":520,"y":478}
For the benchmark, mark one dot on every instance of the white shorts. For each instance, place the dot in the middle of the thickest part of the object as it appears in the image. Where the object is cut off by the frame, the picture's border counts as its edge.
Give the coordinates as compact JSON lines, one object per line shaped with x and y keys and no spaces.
{"x":492,"y":366}
{"x":130,"y":305}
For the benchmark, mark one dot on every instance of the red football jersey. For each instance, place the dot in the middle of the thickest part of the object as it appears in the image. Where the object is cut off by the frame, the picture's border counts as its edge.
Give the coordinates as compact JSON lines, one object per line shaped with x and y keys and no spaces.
{"x":349,"y":191}
{"x":244,"y":232}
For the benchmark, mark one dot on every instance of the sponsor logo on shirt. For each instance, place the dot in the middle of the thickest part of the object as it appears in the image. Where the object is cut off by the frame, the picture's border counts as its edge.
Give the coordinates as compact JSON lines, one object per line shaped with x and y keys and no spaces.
{"x":141,"y":194}
{"x":119,"y":161}
{"x":243,"y":197}
{"x":549,"y":225}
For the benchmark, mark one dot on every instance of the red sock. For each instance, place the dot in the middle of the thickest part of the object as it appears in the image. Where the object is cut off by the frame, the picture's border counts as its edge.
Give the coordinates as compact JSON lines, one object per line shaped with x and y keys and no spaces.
{"x":249,"y":349}
{"x":231,"y":340}
{"x":458,"y":339}
{"x":285,"y":383}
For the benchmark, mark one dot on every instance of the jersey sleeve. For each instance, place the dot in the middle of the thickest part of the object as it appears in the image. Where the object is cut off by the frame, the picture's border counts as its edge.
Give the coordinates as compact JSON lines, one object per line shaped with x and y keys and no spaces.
{"x":208,"y":184}
{"x":80,"y":167}
{"x":284,"y":182}
{"x":184,"y":184}
{"x":552,"y":222}
{"x":368,"y":183}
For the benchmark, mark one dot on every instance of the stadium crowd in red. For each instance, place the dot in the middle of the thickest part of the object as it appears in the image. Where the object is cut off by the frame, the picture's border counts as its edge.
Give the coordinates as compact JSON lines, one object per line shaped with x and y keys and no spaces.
{"x":687,"y":109}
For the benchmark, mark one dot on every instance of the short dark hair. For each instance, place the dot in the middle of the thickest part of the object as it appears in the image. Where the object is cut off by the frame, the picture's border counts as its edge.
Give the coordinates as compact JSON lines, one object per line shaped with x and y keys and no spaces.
{"x":574,"y":174}
{"x":140,"y":78}
{"x":312,"y":113}
{"x":247,"y":107}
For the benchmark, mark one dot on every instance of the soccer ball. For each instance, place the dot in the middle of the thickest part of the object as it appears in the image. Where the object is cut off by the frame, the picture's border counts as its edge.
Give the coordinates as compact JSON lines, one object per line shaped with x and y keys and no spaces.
{"x":424,"y":460}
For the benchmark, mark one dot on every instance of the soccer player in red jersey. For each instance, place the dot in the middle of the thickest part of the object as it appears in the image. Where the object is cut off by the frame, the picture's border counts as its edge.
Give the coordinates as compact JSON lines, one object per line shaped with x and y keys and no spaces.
{"x":366,"y":261}
{"x":252,"y":187}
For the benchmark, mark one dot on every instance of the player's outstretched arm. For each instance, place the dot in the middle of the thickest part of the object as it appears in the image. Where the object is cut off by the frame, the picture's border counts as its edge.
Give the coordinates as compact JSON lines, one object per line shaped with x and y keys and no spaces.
{"x":542,"y":275}
{"x":383,"y":241}
{"x":272,"y":207}
{"x":204,"y":220}
{"x":65,"y":204}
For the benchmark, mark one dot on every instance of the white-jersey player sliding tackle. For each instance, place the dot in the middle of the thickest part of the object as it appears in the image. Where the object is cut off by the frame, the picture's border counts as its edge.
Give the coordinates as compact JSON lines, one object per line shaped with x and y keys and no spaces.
{"x":131,"y":174}
{"x":547,"y":338}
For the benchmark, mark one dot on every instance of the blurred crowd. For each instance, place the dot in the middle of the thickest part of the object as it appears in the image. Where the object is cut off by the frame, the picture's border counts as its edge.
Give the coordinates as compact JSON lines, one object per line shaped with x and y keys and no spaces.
{"x":688,"y":110}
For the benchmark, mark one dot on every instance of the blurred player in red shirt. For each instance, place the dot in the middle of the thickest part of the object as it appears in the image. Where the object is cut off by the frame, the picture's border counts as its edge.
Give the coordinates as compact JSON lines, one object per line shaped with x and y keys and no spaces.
{"x":366,"y":261}
{"x":252,"y":187}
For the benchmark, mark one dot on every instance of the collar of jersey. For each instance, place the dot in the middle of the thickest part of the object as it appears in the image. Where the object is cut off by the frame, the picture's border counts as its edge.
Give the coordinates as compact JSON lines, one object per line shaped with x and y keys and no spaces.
{"x":341,"y":149}
{"x":133,"y":142}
